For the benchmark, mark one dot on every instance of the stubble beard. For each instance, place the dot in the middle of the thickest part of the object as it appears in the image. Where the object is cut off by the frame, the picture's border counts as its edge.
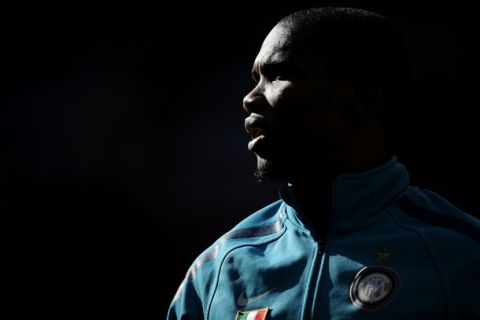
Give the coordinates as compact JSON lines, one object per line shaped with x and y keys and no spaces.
{"x":269,"y":170}
{"x":263,"y":172}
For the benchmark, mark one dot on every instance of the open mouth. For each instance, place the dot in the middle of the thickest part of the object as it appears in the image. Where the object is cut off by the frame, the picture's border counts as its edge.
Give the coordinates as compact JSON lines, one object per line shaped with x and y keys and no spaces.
{"x":255,"y":127}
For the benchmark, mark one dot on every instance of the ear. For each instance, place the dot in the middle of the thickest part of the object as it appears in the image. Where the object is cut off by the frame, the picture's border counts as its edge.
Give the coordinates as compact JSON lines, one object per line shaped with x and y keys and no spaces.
{"x":364,"y":98}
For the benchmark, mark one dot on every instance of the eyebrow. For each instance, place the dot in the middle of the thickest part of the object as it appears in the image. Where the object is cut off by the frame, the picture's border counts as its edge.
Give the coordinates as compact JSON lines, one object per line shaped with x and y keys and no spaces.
{"x":274,"y":66}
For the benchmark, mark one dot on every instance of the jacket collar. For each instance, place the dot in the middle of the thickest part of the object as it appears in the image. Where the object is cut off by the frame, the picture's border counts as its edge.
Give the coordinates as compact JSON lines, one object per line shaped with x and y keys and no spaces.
{"x":357,"y":197}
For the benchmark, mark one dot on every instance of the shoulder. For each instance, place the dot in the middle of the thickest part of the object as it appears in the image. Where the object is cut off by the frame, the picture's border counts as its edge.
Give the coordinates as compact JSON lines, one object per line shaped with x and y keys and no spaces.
{"x":259,"y":223}
{"x":255,"y":228}
{"x":426,"y":210}
{"x":451,"y":235}
{"x":262,"y":226}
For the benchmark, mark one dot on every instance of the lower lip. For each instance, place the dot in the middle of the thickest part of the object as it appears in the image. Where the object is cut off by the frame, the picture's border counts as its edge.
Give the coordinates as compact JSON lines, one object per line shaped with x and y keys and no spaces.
{"x":252,"y":145}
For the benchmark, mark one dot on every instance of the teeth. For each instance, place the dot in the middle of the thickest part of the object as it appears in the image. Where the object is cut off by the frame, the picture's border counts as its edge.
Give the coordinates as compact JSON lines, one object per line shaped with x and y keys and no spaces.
{"x":258,"y":131}
{"x":255,"y":132}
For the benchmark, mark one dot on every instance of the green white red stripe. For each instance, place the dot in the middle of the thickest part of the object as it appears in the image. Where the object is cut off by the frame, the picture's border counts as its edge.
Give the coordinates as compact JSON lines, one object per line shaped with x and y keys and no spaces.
{"x":259,"y":314}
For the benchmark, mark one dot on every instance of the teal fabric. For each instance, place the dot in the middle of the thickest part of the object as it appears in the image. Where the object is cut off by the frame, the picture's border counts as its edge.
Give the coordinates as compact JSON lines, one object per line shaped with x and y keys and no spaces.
{"x":274,"y":259}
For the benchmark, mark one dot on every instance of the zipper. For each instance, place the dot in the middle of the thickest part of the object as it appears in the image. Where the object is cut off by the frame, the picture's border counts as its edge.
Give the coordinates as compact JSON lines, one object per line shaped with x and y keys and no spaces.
{"x":316,"y":278}
{"x":321,"y":246}
{"x":314,"y":282}
{"x":320,"y":243}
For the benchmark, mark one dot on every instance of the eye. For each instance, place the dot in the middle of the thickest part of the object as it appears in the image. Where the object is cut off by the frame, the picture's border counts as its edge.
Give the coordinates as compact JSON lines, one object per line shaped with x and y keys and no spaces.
{"x":278,"y":77}
{"x":278,"y":72}
{"x":274,"y":75}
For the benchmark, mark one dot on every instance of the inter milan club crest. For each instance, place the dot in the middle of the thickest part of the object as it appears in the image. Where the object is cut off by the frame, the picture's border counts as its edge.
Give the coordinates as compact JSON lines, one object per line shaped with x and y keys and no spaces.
{"x":259,"y":314}
{"x":374,"y":287}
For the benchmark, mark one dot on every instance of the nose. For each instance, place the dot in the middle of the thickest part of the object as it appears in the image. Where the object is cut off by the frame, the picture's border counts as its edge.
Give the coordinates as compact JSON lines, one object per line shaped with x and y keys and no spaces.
{"x":255,"y":101}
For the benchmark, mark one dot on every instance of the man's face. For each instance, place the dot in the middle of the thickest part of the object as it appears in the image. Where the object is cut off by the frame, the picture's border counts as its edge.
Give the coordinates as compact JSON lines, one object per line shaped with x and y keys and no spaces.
{"x":293,"y":116}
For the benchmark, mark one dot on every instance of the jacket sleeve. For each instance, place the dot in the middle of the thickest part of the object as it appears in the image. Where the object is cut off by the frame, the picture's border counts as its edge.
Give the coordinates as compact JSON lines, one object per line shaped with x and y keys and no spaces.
{"x":186,"y":303}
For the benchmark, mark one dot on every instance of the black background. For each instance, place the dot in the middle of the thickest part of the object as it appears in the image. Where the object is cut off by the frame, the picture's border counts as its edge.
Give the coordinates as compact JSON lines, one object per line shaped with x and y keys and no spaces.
{"x":123,"y":149}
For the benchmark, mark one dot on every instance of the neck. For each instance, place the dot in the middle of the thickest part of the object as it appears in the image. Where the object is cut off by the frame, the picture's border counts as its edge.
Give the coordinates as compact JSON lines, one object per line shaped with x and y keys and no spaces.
{"x":313,"y":188}
{"x":313,"y":194}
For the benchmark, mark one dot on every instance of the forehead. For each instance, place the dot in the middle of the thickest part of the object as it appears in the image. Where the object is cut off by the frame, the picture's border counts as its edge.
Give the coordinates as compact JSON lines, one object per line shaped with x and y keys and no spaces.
{"x":275,"y":47}
{"x":280,"y":37}
{"x":281,"y":45}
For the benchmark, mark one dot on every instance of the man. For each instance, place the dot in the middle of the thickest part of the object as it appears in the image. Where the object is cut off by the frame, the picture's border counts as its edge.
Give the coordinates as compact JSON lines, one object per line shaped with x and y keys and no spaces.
{"x":350,"y":238}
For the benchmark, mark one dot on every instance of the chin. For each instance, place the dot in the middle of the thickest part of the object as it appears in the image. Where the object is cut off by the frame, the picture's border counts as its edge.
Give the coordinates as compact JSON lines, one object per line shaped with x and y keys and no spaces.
{"x":262,"y":172}
{"x":267,"y":170}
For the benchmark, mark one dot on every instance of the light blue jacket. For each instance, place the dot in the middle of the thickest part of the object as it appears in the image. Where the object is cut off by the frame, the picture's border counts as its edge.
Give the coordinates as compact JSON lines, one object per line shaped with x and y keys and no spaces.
{"x":392,"y":251}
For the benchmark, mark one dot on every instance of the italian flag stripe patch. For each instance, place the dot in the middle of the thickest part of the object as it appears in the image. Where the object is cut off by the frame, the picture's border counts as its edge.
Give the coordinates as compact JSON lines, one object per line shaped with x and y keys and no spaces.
{"x":259,"y":314}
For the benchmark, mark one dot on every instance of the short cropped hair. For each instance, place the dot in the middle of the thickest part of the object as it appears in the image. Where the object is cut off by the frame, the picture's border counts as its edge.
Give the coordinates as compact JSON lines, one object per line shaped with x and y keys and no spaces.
{"x":359,"y":44}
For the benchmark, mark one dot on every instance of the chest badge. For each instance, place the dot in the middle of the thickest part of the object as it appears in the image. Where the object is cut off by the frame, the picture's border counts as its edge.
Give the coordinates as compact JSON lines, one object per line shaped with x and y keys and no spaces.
{"x":374,"y":287}
{"x":259,"y":314}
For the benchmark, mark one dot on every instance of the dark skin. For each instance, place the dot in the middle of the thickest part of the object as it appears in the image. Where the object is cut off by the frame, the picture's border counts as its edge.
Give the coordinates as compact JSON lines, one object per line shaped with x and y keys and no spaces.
{"x":307,"y":128}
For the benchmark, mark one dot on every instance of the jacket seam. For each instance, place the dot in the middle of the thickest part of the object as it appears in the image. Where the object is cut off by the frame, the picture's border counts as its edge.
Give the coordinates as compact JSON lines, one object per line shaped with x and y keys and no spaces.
{"x":433,"y":257}
{"x":217,"y":280}
{"x":310,"y":284}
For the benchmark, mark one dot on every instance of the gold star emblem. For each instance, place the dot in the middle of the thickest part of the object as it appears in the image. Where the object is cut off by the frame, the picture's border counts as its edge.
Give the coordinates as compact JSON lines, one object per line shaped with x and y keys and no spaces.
{"x":383,"y":255}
